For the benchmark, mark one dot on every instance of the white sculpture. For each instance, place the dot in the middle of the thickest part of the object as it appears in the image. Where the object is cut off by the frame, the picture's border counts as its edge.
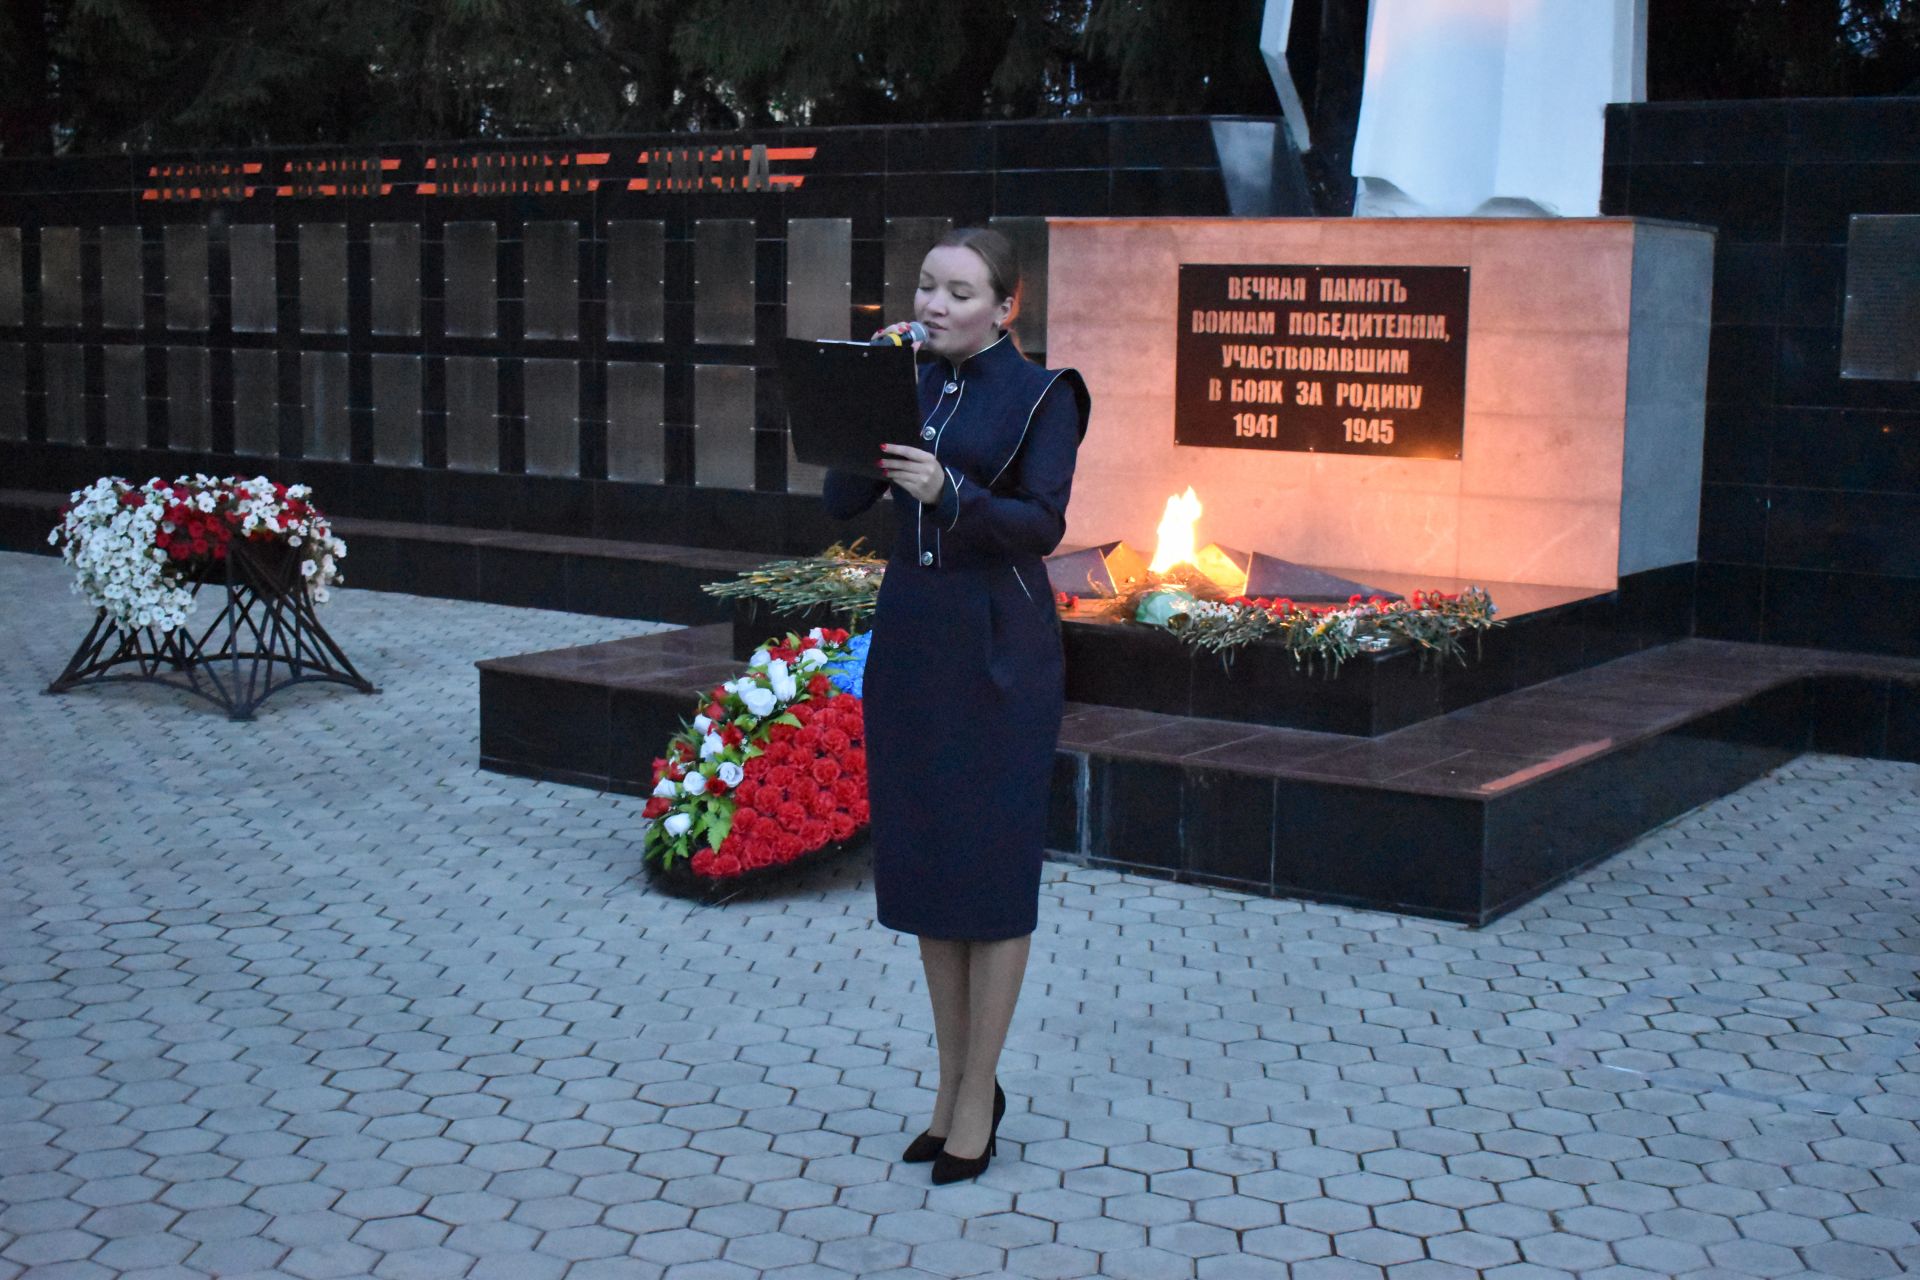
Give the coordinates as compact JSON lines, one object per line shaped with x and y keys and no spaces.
{"x":1482,"y":107}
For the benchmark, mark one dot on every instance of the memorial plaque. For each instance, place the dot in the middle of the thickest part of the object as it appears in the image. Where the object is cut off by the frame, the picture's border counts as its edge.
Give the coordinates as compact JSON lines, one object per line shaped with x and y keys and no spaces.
{"x":189,"y":413}
{"x":255,"y":279}
{"x":60,"y":276}
{"x":185,"y":254}
{"x":13,"y":306}
{"x":123,"y":303}
{"x":1322,"y":359}
{"x":256,"y":402}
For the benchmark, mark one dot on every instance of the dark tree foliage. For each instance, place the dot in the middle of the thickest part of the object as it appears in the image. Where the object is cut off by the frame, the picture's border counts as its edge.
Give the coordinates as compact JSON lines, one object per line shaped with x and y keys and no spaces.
{"x":91,"y":75}
{"x":1782,"y":48}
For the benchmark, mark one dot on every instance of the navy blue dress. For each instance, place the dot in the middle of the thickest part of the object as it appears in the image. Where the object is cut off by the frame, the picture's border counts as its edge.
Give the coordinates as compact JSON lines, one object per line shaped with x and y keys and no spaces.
{"x":964,"y":682}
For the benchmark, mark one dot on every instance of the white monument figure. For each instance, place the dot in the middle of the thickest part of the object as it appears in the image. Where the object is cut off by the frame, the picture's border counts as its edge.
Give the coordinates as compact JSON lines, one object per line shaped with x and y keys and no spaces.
{"x":1487,"y":107}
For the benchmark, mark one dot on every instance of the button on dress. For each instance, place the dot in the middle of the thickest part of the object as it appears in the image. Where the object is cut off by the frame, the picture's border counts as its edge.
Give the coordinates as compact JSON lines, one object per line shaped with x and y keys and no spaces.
{"x":965,"y":678}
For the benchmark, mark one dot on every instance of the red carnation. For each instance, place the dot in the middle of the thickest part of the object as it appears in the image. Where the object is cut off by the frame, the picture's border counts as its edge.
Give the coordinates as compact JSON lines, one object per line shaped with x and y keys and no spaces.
{"x":846,"y":790}
{"x":703,"y":862}
{"x":787,"y":846}
{"x":803,"y":711}
{"x":821,"y":803}
{"x":744,"y":795}
{"x":759,"y":855}
{"x":855,"y":762}
{"x":781,"y":732}
{"x":860,"y":811}
{"x":743,"y":816}
{"x":791,"y":814}
{"x":843,"y":826}
{"x":656,"y":806}
{"x":781,"y":776}
{"x":815,"y":832}
{"x":727,"y":864}
{"x":824,"y":770}
{"x":819,"y":686}
{"x":836,"y":740}
{"x":179,"y":551}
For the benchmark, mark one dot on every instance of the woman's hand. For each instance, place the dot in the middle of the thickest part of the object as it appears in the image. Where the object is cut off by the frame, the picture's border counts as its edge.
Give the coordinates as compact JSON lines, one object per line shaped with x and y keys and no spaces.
{"x":915,"y":470}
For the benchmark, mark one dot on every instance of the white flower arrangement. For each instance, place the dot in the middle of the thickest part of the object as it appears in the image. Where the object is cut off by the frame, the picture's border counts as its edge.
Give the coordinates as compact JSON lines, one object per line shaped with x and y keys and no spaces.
{"x":136,"y":550}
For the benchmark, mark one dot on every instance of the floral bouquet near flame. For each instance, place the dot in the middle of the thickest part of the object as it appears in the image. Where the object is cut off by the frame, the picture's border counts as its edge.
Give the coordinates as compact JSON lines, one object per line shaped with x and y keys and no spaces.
{"x":772,"y":768}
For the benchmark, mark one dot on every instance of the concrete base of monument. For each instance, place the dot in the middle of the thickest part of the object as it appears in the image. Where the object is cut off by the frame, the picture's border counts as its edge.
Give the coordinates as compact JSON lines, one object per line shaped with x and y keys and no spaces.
{"x":1462,"y":817}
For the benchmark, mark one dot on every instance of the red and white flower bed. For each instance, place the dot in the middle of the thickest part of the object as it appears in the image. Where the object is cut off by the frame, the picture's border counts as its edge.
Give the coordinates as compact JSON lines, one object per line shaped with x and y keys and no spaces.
{"x":771,"y":769}
{"x":138,"y":550}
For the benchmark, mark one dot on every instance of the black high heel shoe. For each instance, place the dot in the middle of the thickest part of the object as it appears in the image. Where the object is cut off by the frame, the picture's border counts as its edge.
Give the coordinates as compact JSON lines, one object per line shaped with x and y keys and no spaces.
{"x":927,"y":1147}
{"x":952,"y":1168}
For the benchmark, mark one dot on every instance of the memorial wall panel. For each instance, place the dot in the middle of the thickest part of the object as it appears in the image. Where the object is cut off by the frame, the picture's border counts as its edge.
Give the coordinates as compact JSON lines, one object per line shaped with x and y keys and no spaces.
{"x":324,"y":425}
{"x":256,"y":402}
{"x":13,"y":296}
{"x":189,"y":413}
{"x":64,"y":373}
{"x":636,"y":281}
{"x":185,"y":256}
{"x":553,"y":417}
{"x":723,"y":426}
{"x":323,"y":277}
{"x":13,"y":391}
{"x":60,"y":276}
{"x":473,"y":413}
{"x":550,"y":254}
{"x":471,"y":289}
{"x":123,"y":302}
{"x":393,"y":252}
{"x":723,"y":275}
{"x":126,"y":398}
{"x":254,"y":277}
{"x":636,"y":422}
{"x":396,"y":411}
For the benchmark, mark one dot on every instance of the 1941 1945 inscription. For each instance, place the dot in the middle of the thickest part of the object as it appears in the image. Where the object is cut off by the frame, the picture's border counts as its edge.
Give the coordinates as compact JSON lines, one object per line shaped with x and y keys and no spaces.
{"x":1322,"y":359}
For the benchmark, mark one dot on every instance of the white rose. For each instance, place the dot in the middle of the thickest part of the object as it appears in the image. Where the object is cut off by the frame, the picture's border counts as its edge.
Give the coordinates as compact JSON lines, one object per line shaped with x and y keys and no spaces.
{"x":696,"y":784}
{"x":701,"y":724}
{"x":711,"y":746}
{"x":731,"y":773}
{"x":731,"y":686}
{"x":758,"y":660}
{"x":813,"y":658}
{"x":677,"y":823}
{"x":781,"y":681}
{"x":667,"y":788}
{"x":760,"y":702}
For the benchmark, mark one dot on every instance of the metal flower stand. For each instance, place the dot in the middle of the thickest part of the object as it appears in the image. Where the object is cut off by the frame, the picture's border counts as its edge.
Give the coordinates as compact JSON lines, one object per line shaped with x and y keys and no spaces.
{"x":265,"y":638}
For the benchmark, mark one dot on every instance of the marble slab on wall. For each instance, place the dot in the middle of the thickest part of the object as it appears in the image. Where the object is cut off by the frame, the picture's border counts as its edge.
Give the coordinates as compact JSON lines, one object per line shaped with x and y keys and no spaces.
{"x":1585,"y":395}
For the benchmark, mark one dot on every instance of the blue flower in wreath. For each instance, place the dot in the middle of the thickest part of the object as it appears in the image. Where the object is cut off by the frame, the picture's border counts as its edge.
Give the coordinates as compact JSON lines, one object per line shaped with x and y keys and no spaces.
{"x":850,"y":673}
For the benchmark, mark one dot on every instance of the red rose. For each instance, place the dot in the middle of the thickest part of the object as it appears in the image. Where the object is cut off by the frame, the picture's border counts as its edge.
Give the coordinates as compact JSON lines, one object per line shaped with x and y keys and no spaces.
{"x":716,"y":787}
{"x":714,"y":711}
{"x":659,"y":767}
{"x":656,"y":806}
{"x":843,"y":826}
{"x":716,"y":694}
{"x":732,"y":736}
{"x":824,"y":770}
{"x":819,"y":686}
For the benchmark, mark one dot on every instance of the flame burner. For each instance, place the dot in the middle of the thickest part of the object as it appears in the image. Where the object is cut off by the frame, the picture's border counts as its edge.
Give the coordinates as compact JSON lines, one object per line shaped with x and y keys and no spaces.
{"x":1116,"y":569}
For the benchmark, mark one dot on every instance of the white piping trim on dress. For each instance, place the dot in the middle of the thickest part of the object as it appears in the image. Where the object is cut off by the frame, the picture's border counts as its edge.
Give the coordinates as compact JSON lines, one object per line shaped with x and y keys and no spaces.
{"x":1023,"y":431}
{"x":1022,"y":581}
{"x":957,"y":480}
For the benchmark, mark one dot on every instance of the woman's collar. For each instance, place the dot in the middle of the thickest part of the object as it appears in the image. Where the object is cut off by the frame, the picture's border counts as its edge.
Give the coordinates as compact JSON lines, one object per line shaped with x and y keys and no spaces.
{"x":971,"y":360}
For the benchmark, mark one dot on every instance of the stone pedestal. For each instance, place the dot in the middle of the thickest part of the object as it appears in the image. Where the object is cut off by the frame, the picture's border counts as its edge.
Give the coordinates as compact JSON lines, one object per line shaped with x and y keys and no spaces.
{"x":1585,"y":398}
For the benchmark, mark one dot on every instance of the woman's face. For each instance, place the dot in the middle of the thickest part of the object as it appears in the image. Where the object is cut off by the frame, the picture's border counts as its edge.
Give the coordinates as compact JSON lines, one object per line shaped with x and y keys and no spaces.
{"x":957,"y":303}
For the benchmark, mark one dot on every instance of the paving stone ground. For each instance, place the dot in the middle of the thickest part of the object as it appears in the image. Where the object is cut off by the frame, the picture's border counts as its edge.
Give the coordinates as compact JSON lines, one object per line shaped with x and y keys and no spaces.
{"x":314,"y":996}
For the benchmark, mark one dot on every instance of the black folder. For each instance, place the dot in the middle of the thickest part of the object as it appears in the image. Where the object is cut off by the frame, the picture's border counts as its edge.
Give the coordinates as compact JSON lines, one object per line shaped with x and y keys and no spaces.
{"x":846,"y":399}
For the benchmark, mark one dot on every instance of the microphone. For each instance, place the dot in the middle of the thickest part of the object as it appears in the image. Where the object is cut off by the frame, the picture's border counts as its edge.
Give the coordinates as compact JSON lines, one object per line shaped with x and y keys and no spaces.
{"x":891,"y":337}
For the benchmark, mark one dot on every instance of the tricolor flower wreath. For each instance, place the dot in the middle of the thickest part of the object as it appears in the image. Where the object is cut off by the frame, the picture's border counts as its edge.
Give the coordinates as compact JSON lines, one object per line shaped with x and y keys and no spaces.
{"x":772,"y":768}
{"x":138,"y":550}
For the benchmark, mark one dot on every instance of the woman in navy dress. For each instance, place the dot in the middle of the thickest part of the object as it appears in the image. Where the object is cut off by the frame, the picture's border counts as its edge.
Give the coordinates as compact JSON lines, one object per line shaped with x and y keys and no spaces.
{"x":964,"y":682}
